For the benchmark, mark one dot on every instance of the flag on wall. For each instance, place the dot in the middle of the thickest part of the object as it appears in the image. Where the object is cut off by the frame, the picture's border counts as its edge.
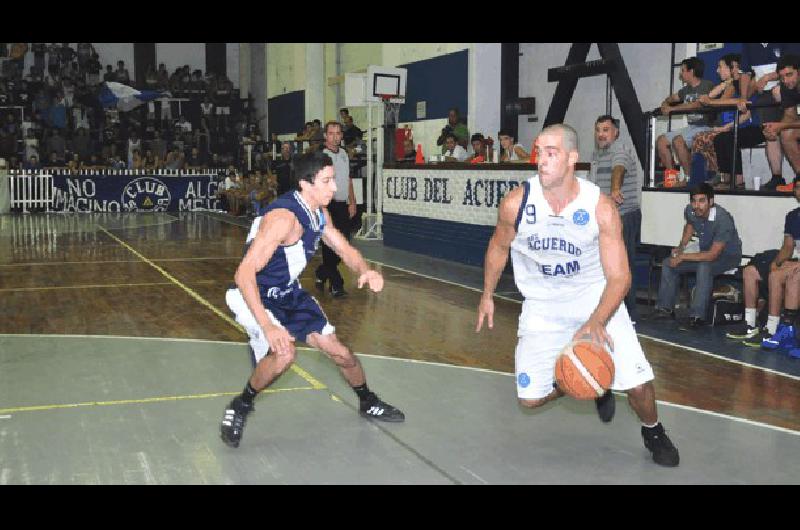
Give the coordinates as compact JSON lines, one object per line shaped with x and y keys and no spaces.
{"x":124,"y":98}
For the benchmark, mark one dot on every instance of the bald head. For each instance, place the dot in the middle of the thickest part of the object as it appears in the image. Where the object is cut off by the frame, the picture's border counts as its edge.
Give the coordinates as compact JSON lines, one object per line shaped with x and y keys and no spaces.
{"x":569,"y":137}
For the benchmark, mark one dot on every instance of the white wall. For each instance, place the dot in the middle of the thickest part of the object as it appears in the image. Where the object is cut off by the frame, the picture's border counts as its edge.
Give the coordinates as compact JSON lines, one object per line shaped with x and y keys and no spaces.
{"x":111,"y":52}
{"x":176,"y":54}
{"x":232,"y":63}
{"x":648,"y":66}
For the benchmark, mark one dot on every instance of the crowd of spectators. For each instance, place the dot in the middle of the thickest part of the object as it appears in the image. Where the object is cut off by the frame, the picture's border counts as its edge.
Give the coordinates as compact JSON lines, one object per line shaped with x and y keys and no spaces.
{"x":51,"y":115}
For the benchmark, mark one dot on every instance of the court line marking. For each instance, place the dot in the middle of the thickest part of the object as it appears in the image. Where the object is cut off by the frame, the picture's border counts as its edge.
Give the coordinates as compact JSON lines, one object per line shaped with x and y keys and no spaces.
{"x":721,"y":357}
{"x":36,"y":408}
{"x":305,"y":375}
{"x":412,"y":361}
{"x":675,"y":344}
{"x":48,"y":263}
{"x":97,"y":286}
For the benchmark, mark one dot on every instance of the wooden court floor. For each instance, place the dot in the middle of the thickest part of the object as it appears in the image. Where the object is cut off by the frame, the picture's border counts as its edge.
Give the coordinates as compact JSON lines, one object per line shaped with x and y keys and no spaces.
{"x":164,"y":275}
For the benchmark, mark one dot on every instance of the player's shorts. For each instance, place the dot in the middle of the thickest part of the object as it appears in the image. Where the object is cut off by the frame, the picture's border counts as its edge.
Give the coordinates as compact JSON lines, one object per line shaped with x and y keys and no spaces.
{"x":536,"y":353}
{"x":298,"y":312}
{"x":762,"y":262}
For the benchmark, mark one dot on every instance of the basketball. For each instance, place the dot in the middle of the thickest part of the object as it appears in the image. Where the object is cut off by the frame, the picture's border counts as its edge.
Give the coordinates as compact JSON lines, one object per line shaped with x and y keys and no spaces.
{"x":584,"y":370}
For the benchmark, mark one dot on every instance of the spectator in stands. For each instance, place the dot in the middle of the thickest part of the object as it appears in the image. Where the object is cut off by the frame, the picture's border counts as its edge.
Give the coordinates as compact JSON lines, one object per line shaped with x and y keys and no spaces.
{"x":53,"y":61}
{"x":55,"y":161}
{"x":720,"y":249}
{"x":31,"y":145}
{"x":67,"y":54}
{"x":134,"y":144}
{"x":780,"y":270}
{"x":282,"y":168}
{"x":350,"y":133}
{"x":316,"y":137}
{"x":162,"y":77}
{"x":137,"y":161}
{"x":344,"y":113}
{"x":56,"y":144}
{"x":39,"y":49}
{"x":175,"y":159}
{"x":196,"y":160}
{"x":202,"y":137}
{"x":121,"y":73}
{"x":509,"y":151}
{"x":110,"y":75}
{"x":725,"y":94}
{"x":94,"y":163}
{"x":151,"y":78}
{"x":85,"y":52}
{"x":305,"y":134}
{"x":409,"y":151}
{"x":93,"y":70}
{"x":151,"y":161}
{"x":615,"y":169}
{"x":74,"y":163}
{"x":453,"y":151}
{"x":686,"y":98}
{"x":207,"y":108}
{"x":32,"y":163}
{"x":82,"y":144}
{"x":456,"y":128}
{"x":159,"y":146}
{"x":478,"y":149}
{"x":787,"y":93}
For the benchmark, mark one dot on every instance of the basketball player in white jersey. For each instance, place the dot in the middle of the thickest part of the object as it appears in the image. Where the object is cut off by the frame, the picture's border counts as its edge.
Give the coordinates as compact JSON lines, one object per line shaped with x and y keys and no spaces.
{"x":570,"y":264}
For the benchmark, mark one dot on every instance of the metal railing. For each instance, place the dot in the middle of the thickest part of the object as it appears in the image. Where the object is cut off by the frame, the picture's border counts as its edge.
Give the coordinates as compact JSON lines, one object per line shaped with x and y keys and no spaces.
{"x":652,"y":115}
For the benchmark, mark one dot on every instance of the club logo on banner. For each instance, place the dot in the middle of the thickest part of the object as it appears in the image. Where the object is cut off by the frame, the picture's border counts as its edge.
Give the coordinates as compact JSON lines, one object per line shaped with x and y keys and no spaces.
{"x":146,"y":194}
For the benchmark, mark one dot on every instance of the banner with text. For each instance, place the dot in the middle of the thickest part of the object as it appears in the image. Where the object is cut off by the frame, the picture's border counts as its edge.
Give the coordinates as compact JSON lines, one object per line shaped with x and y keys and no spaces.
{"x":134,"y":193}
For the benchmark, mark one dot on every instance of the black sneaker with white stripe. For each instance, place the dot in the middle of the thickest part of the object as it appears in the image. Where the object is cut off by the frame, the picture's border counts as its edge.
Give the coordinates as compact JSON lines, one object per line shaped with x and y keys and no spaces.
{"x":377,"y":409}
{"x":234,"y":420}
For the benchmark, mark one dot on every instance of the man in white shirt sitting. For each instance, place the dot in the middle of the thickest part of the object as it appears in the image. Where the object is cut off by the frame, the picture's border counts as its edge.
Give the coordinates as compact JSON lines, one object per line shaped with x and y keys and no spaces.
{"x":454,"y":152}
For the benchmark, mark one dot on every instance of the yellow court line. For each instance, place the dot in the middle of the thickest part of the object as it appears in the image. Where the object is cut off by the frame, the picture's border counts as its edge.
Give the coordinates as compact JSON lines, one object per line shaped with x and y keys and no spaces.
{"x":143,"y":400}
{"x":102,"y":262}
{"x":97,"y":286}
{"x":302,"y":373}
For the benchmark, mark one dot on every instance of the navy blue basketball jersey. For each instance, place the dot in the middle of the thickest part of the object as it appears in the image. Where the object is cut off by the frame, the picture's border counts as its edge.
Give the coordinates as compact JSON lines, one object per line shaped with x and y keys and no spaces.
{"x":279,"y":277}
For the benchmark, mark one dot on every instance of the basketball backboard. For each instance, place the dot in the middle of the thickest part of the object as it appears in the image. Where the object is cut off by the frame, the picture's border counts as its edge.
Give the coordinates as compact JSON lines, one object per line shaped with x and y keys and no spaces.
{"x":385,"y":80}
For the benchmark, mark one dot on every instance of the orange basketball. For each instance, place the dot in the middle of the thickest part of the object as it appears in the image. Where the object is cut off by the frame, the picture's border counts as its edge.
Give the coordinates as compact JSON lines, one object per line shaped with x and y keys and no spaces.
{"x":584,"y":370}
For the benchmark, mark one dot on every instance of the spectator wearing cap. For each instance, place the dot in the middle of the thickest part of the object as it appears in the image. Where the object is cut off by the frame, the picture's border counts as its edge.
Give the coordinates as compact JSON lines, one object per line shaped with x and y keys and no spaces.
{"x":510,"y":151}
{"x":615,"y":169}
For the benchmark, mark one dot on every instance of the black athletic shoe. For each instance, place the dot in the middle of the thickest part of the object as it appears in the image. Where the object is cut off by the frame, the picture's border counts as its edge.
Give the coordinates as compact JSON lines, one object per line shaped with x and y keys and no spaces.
{"x":659,"y":444}
{"x":660,"y":314}
{"x":380,"y":410}
{"x":756,"y":340}
{"x":319,"y":284}
{"x":338,"y":293}
{"x":743,"y":332}
{"x":773,"y":183}
{"x":233,"y":421}
{"x":692,"y":324}
{"x":606,"y":406}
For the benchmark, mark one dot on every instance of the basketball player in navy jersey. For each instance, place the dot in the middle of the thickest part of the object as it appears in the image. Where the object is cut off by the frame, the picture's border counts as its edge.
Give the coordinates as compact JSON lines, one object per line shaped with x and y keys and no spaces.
{"x":270,"y":303}
{"x":569,"y":261}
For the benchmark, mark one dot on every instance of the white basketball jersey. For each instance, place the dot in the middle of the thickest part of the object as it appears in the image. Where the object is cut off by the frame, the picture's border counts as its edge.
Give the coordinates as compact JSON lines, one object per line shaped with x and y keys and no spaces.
{"x":556,"y":258}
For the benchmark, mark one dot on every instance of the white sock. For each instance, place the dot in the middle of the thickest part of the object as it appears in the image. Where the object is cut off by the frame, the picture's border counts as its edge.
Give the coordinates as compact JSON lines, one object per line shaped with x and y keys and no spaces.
{"x":772,"y":323}
{"x":650,"y":426}
{"x":750,"y":314}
